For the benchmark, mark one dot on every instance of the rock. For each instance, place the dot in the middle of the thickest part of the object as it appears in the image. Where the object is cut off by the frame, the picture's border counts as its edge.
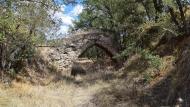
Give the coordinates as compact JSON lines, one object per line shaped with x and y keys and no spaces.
{"x":68,"y":50}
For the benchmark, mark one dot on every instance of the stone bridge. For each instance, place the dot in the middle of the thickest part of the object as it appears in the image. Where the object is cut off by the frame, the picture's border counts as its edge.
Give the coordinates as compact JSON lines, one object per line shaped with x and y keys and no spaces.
{"x":81,"y":42}
{"x":75,"y":45}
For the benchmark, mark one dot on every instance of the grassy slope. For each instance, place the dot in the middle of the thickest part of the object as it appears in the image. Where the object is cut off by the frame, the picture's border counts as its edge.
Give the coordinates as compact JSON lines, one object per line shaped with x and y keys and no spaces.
{"x":131,"y":88}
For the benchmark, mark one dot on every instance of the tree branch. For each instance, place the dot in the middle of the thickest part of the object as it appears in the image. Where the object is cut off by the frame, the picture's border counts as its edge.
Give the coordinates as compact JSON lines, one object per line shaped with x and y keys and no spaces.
{"x":182,"y":16}
{"x":173,"y":17}
{"x":37,"y":1}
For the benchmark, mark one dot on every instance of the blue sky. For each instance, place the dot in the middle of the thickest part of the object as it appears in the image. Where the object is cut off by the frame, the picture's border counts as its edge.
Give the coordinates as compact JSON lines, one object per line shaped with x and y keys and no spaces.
{"x":66,"y":16}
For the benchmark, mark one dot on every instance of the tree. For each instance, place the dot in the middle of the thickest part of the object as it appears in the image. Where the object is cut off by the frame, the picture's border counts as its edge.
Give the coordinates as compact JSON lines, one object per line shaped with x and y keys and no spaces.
{"x":115,"y":16}
{"x":22,"y":24}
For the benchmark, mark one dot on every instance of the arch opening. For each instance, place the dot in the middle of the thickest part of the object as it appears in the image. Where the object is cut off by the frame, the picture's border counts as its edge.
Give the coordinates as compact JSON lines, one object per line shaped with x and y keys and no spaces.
{"x":102,"y":48}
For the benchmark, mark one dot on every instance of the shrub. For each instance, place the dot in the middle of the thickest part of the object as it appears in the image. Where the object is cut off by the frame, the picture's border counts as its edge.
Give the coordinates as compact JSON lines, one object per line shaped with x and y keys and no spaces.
{"x":153,"y":60}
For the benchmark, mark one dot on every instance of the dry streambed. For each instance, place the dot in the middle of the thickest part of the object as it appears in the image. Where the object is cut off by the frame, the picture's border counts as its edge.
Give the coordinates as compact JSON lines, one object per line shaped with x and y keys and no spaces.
{"x":60,"y":94}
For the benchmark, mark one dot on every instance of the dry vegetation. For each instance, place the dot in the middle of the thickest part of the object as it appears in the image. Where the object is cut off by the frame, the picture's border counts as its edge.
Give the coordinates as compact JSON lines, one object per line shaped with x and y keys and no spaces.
{"x":152,"y":36}
{"x":64,"y":93}
{"x":137,"y":84}
{"x":134,"y":85}
{"x":41,"y":86}
{"x":101,"y":87}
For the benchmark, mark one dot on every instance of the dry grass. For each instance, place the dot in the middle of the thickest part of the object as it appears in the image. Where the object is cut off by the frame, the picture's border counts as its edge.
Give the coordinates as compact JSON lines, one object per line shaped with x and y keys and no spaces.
{"x":130,"y":88}
{"x":101,"y":87}
{"x":60,"y":94}
{"x":52,"y":90}
{"x":42,"y":88}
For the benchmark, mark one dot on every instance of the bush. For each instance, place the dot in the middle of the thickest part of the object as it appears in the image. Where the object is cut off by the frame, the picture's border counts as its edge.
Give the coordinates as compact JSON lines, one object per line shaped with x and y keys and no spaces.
{"x":153,"y":60}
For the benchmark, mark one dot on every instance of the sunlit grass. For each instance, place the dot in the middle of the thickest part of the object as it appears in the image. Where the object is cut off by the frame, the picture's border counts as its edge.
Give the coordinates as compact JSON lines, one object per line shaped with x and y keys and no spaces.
{"x":60,"y":94}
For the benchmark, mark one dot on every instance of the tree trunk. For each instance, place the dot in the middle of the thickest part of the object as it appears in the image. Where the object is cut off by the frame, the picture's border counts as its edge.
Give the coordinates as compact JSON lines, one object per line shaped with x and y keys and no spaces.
{"x":158,"y":4}
{"x":173,"y":17}
{"x":146,"y":10}
{"x":185,"y":29}
{"x":2,"y":59}
{"x":2,"y":56}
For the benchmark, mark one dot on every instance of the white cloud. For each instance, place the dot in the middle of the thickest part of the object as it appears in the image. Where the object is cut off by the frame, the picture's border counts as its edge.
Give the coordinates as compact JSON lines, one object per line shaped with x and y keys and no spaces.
{"x":62,"y":8}
{"x":77,"y":10}
{"x":66,"y":19}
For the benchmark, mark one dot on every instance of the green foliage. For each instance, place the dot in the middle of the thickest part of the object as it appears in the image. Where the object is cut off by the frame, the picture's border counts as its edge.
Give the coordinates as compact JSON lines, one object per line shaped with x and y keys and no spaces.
{"x":110,"y":14}
{"x":95,"y":53}
{"x":153,"y":60}
{"x":127,"y":52}
{"x":131,"y":19}
{"x":140,"y":23}
{"x":22,"y":26}
{"x":12,"y":72}
{"x":147,"y":77}
{"x":119,"y":17}
{"x":2,"y":37}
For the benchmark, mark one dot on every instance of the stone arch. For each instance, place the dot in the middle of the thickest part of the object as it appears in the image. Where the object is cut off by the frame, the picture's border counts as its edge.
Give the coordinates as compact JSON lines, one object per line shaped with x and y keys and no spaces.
{"x":76,"y":45}
{"x":109,"y":50}
{"x":104,"y":48}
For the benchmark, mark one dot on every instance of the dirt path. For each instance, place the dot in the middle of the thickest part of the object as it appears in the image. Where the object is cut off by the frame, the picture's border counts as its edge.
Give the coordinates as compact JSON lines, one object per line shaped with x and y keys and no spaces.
{"x":59,"y":94}
{"x":83,"y":96}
